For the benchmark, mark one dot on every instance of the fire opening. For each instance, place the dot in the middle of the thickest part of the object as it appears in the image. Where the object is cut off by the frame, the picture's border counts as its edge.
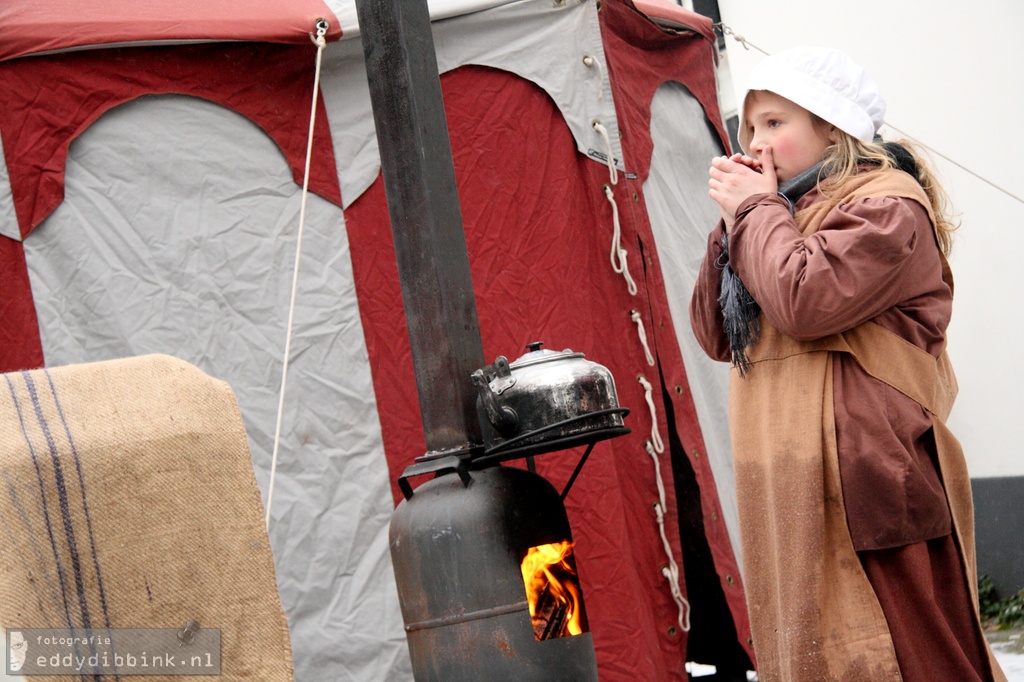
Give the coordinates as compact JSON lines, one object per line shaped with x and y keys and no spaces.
{"x":553,"y":591}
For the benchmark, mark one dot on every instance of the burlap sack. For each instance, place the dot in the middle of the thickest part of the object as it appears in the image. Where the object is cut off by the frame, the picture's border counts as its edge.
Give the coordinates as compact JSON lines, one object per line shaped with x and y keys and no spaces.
{"x":128,"y":501}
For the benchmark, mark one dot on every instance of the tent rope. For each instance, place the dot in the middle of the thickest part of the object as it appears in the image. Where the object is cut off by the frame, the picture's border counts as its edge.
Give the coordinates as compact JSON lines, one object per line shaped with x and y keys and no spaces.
{"x":618,"y":254}
{"x":671,"y":571}
{"x":642,"y":333}
{"x":655,"y":446}
{"x":320,"y":42}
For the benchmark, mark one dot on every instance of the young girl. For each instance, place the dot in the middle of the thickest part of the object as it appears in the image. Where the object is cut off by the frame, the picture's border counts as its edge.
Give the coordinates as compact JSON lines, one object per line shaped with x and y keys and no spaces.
{"x":826,"y":285}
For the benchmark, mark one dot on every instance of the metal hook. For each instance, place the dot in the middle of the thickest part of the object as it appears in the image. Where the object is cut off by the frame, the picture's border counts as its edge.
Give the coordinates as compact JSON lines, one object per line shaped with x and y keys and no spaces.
{"x":321,"y":26}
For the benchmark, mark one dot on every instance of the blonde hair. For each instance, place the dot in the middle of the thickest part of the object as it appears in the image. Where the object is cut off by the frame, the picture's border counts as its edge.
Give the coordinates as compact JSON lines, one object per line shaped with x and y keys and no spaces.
{"x":846,"y":157}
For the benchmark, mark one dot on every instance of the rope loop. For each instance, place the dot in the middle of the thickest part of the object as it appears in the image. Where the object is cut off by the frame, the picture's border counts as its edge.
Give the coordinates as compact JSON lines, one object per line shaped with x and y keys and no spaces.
{"x":642,"y":333}
{"x":659,"y":445}
{"x":618,"y":254}
{"x":727,"y":31}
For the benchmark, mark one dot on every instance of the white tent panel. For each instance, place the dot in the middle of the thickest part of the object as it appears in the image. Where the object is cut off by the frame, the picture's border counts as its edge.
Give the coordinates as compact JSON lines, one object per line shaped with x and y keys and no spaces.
{"x":178,"y":233}
{"x":346,"y":96}
{"x":680,"y":220}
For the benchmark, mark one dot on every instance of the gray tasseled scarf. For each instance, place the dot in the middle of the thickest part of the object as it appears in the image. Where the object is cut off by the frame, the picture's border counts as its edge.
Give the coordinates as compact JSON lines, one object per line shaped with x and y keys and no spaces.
{"x":739,"y":309}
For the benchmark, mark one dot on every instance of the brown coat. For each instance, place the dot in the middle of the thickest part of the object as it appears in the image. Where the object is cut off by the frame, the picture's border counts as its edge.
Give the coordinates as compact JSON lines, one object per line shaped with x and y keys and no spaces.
{"x":813,"y":612}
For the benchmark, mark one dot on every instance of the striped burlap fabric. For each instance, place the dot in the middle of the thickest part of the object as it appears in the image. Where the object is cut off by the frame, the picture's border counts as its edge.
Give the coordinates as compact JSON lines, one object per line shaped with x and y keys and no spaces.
{"x":128,"y":500}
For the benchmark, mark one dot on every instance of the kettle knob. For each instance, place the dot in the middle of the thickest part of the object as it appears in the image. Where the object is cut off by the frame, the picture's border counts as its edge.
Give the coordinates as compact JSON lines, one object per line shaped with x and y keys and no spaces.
{"x":535,"y":346}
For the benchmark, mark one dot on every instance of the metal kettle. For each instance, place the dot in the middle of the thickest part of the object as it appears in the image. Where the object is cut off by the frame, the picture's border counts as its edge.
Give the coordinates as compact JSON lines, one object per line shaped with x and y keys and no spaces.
{"x":546,"y":400}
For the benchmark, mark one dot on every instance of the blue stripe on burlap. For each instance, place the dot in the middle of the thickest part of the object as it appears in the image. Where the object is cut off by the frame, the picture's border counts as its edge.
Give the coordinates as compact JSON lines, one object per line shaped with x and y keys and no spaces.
{"x":85,"y":502}
{"x":45,"y":506}
{"x":62,"y":497}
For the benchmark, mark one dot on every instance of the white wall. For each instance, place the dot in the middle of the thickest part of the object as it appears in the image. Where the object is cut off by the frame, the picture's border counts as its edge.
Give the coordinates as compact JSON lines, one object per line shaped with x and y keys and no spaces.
{"x":951,"y":73}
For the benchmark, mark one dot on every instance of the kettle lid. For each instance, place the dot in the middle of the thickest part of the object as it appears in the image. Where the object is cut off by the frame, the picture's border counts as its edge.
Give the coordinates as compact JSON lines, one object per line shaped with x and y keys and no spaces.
{"x":536,"y":355}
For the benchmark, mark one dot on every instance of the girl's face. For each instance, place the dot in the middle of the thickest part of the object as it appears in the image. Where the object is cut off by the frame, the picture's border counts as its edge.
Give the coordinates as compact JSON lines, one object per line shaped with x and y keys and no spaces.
{"x":771,"y":120}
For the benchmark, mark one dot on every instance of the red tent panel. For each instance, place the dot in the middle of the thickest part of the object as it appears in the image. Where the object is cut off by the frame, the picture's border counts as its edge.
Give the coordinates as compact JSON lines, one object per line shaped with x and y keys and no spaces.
{"x":20,"y":345}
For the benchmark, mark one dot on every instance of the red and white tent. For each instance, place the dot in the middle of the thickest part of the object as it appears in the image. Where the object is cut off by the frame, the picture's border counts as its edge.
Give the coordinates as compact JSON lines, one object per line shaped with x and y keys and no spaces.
{"x":150,"y":191}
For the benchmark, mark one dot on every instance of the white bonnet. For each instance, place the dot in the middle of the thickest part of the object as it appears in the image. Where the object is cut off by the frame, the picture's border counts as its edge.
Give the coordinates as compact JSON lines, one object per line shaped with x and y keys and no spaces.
{"x":827,"y":83}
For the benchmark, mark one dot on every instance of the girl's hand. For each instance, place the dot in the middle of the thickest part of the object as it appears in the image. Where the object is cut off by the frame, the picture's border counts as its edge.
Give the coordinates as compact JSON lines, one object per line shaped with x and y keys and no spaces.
{"x":735,"y":178}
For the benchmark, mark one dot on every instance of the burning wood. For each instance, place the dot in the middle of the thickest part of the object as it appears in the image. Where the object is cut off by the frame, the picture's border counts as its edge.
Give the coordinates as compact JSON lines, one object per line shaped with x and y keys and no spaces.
{"x":552,"y":591}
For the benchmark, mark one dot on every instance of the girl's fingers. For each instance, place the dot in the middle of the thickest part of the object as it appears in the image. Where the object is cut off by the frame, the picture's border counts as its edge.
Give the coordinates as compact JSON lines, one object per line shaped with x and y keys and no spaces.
{"x":732,"y":164}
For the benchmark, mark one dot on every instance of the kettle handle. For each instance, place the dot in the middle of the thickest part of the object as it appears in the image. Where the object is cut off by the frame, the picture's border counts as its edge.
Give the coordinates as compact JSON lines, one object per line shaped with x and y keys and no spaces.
{"x":492,"y":381}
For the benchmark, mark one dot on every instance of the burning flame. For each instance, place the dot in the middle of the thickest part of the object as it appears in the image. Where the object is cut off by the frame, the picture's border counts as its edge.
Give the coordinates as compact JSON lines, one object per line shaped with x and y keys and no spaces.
{"x":556,"y":605}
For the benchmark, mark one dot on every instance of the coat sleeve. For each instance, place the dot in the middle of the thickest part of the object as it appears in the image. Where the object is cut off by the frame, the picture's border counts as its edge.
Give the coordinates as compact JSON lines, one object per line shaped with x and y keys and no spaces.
{"x":705,"y":313}
{"x":858,"y":264}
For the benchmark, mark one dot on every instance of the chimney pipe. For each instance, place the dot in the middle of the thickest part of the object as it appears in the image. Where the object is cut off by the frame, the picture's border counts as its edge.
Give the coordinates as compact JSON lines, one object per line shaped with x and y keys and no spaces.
{"x":426,"y":221}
